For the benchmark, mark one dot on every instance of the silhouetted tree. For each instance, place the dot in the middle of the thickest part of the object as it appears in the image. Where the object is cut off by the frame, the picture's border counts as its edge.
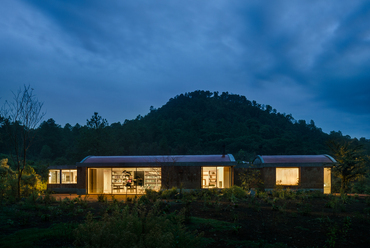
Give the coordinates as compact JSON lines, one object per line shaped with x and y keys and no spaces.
{"x":351,"y":162}
{"x":23,"y":114}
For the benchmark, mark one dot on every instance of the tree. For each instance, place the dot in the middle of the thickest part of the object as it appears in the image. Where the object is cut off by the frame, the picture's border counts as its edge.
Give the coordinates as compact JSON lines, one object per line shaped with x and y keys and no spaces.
{"x":94,"y":137}
{"x":96,"y":122}
{"x":22,"y":115}
{"x":251,"y":178}
{"x":351,"y":162}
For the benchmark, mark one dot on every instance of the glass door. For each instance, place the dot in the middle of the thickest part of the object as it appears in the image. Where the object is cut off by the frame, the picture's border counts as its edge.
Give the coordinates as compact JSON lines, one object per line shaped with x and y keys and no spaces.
{"x":327,"y":181}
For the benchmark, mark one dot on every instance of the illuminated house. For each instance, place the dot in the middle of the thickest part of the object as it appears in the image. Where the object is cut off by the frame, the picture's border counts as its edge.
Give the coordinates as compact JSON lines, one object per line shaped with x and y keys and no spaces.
{"x":311,"y":172}
{"x":134,"y":174}
{"x":63,"y":178}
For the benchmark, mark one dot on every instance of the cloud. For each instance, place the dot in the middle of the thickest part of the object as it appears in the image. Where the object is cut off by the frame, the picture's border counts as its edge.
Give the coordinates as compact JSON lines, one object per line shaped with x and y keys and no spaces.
{"x":303,"y":57}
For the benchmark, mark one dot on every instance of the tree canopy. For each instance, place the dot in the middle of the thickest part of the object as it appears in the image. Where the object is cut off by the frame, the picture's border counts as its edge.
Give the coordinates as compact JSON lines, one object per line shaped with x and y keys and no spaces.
{"x":198,"y":122}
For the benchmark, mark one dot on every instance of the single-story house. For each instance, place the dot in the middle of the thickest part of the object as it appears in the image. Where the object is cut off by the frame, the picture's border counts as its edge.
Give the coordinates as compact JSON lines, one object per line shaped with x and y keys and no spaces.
{"x":311,"y":172}
{"x":134,"y":174}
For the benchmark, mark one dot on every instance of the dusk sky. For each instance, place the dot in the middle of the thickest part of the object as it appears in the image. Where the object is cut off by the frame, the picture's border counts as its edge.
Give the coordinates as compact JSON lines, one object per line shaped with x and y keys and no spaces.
{"x":308,"y":58}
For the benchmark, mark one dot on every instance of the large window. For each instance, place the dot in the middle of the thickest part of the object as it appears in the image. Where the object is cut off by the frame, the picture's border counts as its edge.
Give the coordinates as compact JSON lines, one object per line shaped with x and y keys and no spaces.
{"x":69,"y":176}
{"x":287,"y":176}
{"x":216,"y":177}
{"x":123,"y":180}
{"x":54,"y":176}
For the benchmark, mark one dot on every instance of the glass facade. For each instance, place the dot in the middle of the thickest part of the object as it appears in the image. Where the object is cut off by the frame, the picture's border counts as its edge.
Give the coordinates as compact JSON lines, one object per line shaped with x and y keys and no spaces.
{"x":54,"y":176}
{"x":69,"y":176}
{"x":66,"y":176}
{"x":287,"y":176}
{"x":123,"y":180}
{"x":216,"y":177}
{"x":327,"y":181}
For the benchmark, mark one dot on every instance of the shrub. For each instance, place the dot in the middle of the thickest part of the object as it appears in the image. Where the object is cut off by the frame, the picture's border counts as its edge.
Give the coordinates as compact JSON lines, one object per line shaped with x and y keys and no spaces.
{"x":237,"y":191}
{"x":135,"y":229}
{"x":102,"y":198}
{"x":143,"y":200}
{"x":8,"y":182}
{"x":151,"y":194}
{"x":48,"y":198}
{"x":305,"y":209}
{"x":251,"y":178}
{"x":169,"y":193}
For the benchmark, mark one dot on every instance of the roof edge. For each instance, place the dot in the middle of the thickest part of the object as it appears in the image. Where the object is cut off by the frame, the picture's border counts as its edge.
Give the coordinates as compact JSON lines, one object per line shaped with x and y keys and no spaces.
{"x":231,"y":157}
{"x":83,"y":160}
{"x":330,"y":157}
{"x":260,"y":157}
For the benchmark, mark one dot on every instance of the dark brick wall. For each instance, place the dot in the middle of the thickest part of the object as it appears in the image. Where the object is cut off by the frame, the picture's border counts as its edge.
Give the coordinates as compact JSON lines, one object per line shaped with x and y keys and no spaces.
{"x":173,"y":176}
{"x":269,"y":177}
{"x":312,"y":177}
{"x":81,"y":180}
{"x":58,"y":186}
{"x":81,"y":177}
{"x":62,"y":188}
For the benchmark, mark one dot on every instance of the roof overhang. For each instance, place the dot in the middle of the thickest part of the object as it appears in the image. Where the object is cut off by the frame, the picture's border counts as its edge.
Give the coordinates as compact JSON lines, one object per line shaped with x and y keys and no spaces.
{"x":158,"y":161}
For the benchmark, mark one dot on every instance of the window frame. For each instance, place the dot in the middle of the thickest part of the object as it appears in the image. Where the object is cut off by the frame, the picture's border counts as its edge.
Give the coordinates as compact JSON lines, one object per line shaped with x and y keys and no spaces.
{"x":68,"y":171}
{"x":57,"y":177}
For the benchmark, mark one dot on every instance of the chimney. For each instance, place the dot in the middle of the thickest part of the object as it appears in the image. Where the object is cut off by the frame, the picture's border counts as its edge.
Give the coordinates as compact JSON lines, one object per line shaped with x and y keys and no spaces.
{"x":223,"y":150}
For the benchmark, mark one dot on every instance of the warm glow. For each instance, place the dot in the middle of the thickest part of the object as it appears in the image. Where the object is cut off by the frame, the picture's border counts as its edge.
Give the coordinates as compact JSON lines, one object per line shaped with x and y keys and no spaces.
{"x":287,"y":176}
{"x":54,"y":176}
{"x":123,"y":180}
{"x":327,"y":181}
{"x":69,"y":176}
{"x":216,"y":177}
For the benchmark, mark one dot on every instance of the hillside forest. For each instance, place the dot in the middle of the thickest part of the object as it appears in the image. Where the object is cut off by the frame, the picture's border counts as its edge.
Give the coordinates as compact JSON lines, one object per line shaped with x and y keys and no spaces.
{"x":199,"y":122}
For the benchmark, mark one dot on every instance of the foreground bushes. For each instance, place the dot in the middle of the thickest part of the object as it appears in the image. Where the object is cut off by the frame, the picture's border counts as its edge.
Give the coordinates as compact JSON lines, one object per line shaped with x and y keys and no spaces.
{"x":238,"y":192}
{"x":136,"y":228}
{"x":31,"y":183}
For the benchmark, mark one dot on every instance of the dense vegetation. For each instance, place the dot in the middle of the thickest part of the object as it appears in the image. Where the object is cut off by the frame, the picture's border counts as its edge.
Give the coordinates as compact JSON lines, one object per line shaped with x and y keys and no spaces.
{"x":199,"y":122}
{"x":208,"y":218}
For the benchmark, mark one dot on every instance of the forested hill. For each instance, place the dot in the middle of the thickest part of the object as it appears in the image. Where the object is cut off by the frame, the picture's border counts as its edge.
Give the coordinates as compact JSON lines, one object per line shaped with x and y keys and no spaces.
{"x":202,"y":122}
{"x":199,"y":122}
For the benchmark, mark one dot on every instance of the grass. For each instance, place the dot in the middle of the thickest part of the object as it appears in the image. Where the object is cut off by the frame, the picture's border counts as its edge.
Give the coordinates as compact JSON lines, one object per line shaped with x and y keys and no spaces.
{"x":31,"y":237}
{"x":252,"y":224}
{"x":212,"y":224}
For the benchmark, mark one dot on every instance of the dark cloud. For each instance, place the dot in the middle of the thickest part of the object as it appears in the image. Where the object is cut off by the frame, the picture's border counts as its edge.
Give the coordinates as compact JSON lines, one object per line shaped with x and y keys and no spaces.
{"x":307,"y":58}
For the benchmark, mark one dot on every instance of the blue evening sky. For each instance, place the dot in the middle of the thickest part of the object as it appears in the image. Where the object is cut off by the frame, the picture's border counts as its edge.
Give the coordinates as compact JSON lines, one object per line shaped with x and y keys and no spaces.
{"x":307,"y":58}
